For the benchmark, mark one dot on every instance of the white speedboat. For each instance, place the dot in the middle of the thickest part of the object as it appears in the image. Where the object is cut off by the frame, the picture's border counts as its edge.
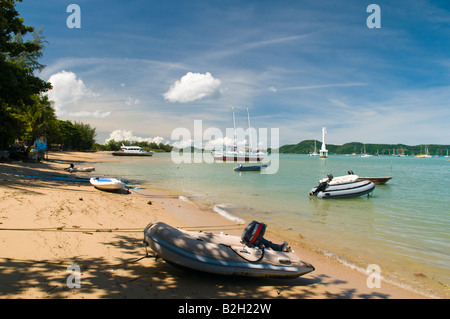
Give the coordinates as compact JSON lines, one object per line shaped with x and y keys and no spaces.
{"x":132,"y":151}
{"x":106,"y":184}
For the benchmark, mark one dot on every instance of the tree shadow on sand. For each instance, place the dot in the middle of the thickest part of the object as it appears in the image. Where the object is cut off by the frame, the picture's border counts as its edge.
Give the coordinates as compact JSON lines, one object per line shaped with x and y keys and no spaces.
{"x":138,"y":275}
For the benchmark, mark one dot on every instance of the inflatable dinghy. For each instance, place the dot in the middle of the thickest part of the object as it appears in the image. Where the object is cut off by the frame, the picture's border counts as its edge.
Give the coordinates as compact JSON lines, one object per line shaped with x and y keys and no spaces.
{"x":343,"y":190}
{"x":220,"y":254}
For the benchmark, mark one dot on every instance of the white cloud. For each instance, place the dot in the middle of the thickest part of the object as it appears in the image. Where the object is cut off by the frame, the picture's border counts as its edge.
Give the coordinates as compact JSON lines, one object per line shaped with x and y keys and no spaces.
{"x":192,"y":87}
{"x":130,"y":101}
{"x":124,"y":135}
{"x":69,"y":92}
{"x":99,"y":114}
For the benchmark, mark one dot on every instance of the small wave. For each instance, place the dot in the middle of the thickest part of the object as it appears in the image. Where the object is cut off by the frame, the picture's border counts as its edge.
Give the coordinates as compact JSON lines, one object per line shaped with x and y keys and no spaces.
{"x":221,"y":211}
{"x":185,"y":199}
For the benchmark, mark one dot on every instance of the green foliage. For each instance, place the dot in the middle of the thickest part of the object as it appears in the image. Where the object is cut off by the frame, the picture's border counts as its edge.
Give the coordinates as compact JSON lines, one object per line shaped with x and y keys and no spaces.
{"x":307,"y":146}
{"x":19,"y":87}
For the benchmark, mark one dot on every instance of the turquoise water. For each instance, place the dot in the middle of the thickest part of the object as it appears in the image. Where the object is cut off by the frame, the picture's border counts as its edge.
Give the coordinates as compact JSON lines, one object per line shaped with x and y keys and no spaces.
{"x":403,"y":227}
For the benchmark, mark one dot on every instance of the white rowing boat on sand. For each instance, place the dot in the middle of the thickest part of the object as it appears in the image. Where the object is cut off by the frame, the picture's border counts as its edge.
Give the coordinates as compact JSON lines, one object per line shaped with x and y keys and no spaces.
{"x":107,"y":184}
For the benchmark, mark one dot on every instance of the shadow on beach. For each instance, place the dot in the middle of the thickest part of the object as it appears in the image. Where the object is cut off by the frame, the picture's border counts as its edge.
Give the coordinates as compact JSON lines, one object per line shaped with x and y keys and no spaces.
{"x":142,"y":276}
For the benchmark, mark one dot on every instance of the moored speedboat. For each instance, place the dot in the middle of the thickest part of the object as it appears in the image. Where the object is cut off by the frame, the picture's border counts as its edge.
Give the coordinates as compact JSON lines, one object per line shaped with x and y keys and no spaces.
{"x":220,"y":254}
{"x":132,"y":151}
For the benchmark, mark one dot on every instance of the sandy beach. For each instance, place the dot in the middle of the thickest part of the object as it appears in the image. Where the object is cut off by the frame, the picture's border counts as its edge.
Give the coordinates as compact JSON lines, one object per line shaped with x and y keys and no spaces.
{"x":47,"y":225}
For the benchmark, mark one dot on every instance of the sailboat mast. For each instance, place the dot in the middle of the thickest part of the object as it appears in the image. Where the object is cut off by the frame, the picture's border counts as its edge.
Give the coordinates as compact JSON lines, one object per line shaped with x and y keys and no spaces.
{"x":249,"y":130}
{"x":234,"y":125}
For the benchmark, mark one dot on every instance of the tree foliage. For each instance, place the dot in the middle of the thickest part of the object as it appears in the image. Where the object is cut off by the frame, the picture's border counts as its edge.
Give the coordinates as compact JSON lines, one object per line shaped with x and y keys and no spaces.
{"x":19,"y":87}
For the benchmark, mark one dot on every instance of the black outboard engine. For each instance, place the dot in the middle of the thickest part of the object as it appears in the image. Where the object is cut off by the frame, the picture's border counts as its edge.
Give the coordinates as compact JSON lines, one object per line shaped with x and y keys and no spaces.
{"x":253,"y":234}
{"x":322,"y":185}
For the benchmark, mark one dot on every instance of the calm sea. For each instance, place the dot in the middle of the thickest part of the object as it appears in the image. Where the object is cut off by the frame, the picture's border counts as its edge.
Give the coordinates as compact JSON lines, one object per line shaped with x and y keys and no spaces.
{"x":404,"y":227}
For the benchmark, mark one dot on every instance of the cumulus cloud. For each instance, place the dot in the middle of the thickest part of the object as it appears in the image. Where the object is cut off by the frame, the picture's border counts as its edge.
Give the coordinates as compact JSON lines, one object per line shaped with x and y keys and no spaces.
{"x":192,"y":87}
{"x":124,"y":135}
{"x":68,"y":90}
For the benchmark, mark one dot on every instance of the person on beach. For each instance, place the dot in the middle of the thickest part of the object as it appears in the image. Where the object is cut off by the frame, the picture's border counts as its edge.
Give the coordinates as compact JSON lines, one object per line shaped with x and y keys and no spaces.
{"x":253,"y":236}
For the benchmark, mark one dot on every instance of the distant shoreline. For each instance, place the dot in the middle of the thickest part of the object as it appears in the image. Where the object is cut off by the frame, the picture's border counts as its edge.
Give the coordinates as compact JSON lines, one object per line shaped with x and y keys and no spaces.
{"x":307,"y":146}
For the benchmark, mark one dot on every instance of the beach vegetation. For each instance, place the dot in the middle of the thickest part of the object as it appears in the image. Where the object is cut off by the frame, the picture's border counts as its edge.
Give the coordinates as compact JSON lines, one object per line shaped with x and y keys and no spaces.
{"x":26,"y":113}
{"x":20,"y":48}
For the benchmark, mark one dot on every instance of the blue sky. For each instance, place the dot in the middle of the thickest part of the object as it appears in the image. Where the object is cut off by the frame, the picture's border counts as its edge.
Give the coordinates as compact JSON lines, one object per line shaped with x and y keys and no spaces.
{"x":144,"y":68}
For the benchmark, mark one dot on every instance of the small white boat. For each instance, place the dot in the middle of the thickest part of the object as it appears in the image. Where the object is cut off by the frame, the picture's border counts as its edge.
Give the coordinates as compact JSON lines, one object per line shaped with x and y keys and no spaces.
{"x":80,"y":169}
{"x":220,"y":254}
{"x":106,"y":184}
{"x":132,"y":151}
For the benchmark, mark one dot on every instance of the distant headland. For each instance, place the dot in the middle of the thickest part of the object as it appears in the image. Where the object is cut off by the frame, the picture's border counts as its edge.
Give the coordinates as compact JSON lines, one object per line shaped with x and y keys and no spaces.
{"x":308,"y":146}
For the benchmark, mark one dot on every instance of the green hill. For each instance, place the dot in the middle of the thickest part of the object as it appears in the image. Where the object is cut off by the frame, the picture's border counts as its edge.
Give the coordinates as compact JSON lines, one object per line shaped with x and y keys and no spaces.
{"x":307,"y":146}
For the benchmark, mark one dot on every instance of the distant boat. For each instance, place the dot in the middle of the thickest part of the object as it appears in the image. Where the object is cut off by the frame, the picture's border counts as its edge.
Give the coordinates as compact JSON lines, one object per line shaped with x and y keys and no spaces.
{"x":375,"y":180}
{"x":241,"y":168}
{"x":423,"y":155}
{"x":365,"y":154}
{"x":132,"y":151}
{"x":73,"y":169}
{"x":106,"y":184}
{"x":315,"y":151}
{"x":235,"y":155}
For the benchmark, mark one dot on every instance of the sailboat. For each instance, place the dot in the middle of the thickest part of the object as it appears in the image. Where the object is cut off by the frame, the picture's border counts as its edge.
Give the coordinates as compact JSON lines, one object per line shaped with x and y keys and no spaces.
{"x":236,"y":155}
{"x":315,"y":150}
{"x":365,"y":154}
{"x":423,"y":155}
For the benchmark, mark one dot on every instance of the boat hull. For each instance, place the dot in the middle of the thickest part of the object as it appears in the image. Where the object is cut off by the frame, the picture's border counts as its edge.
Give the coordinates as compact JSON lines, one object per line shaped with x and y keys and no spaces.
{"x":80,"y":169}
{"x":346,"y":190}
{"x":376,"y":180}
{"x":250,"y":168}
{"x":220,"y":254}
{"x":121,"y":153}
{"x":107,"y":184}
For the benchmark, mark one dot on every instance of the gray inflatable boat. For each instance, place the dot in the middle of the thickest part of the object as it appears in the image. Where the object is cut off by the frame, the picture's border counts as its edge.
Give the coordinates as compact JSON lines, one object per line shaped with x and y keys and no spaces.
{"x":220,"y":254}
{"x":344,"y":190}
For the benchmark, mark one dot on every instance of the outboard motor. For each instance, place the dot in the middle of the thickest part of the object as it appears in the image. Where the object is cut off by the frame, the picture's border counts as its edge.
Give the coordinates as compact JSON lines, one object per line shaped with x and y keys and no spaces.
{"x":322,"y":185}
{"x":253,"y":234}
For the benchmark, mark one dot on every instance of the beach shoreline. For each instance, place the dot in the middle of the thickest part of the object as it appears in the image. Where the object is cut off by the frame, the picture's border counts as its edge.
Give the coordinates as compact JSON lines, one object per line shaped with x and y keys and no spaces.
{"x":50,"y":224}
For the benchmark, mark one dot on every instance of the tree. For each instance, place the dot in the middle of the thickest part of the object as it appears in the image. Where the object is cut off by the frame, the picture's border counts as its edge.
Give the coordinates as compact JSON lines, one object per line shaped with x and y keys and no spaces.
{"x":87,"y":134}
{"x":18,"y":60}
